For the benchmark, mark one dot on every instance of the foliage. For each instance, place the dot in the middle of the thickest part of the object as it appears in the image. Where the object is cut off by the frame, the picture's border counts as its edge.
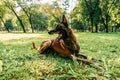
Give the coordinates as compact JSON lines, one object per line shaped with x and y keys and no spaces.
{"x":40,"y":21}
{"x":3,"y":11}
{"x":25,"y":22}
{"x":77,"y":25}
{"x":53,"y":11}
{"x":53,"y":22}
{"x":28,"y":9}
{"x":8,"y":25}
{"x":19,"y":61}
{"x":96,"y":14}
{"x":108,"y":10}
{"x":10,"y":4}
{"x":87,"y":15}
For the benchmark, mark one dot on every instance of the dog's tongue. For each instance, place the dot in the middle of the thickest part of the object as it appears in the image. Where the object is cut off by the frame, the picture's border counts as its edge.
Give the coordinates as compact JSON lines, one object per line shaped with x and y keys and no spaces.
{"x":58,"y":38}
{"x":60,"y":35}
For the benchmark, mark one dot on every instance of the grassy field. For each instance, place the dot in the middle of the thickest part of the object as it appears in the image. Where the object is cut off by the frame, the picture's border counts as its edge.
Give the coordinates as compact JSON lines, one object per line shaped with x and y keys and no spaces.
{"x":18,"y":61}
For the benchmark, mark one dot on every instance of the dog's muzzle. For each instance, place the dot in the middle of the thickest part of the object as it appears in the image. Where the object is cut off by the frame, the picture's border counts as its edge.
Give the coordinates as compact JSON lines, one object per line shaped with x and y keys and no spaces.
{"x":52,"y":31}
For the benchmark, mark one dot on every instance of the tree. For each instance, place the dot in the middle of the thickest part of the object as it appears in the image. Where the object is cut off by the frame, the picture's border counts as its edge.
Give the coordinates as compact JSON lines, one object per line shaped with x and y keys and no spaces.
{"x":93,"y":12}
{"x":28,"y":9}
{"x":2,"y":13}
{"x":114,"y":23}
{"x":77,"y":25}
{"x":8,"y":25}
{"x":25,"y":21}
{"x":53,"y":11}
{"x":98,"y":13}
{"x":11,"y":4}
{"x":40,"y":21}
{"x":106,"y":6}
{"x":87,"y":12}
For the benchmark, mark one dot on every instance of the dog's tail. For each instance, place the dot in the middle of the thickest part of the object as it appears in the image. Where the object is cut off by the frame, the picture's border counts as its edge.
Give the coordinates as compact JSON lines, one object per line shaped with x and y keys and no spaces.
{"x":34,"y":46}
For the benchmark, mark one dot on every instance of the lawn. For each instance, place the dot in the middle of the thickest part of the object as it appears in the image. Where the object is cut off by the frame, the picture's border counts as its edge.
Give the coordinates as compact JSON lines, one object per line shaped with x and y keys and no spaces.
{"x":18,"y":61}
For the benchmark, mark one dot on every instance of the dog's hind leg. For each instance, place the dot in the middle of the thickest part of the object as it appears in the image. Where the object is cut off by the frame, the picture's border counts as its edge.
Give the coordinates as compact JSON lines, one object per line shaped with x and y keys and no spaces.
{"x":81,"y":55}
{"x":45,"y":45}
{"x":85,"y":56}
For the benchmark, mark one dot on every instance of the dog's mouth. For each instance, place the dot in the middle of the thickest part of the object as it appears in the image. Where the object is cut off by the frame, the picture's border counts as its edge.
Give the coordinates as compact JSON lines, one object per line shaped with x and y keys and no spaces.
{"x":59,"y":36}
{"x":57,"y":39}
{"x":52,"y":31}
{"x":62,"y":34}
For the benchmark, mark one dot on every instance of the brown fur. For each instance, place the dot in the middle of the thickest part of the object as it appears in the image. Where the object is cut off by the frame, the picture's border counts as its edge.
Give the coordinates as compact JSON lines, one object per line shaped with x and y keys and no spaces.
{"x":66,"y":45}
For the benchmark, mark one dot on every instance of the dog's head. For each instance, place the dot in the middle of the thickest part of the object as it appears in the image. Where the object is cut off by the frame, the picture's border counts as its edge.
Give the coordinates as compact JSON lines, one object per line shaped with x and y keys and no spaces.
{"x":61,"y":29}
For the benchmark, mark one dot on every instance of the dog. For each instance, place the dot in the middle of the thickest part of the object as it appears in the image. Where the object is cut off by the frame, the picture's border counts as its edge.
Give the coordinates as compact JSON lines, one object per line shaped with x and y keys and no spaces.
{"x":65,"y":44}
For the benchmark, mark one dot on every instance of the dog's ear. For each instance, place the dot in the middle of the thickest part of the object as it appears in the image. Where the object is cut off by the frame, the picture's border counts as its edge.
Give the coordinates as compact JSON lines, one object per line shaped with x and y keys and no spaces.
{"x":64,"y":21}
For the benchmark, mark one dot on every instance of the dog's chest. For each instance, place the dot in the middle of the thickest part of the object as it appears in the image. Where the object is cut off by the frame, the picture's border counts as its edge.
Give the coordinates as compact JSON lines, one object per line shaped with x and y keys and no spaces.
{"x":72,"y":45}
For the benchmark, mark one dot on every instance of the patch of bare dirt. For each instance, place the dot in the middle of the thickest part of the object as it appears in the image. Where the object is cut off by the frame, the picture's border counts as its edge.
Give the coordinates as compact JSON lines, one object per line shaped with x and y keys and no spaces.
{"x":5,"y":37}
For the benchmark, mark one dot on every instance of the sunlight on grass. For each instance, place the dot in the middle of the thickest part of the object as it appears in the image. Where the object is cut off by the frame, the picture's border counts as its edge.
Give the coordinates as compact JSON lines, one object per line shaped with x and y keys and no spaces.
{"x":108,"y":37}
{"x":19,"y":62}
{"x":41,"y":67}
{"x":1,"y":64}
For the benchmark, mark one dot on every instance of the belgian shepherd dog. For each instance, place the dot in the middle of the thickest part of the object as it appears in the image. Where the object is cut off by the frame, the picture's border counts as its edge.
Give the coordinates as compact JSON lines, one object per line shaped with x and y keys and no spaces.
{"x":65,"y":44}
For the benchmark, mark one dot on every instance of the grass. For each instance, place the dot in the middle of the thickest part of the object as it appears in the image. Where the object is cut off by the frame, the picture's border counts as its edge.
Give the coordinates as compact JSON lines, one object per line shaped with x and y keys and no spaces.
{"x":19,"y":62}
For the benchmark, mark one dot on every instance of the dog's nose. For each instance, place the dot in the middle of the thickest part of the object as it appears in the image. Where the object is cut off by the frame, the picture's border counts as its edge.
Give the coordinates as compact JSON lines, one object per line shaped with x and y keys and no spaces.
{"x":49,"y":32}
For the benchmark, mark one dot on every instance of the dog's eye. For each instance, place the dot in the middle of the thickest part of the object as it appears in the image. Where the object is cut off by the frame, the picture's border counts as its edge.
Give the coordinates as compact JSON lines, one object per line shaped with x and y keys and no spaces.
{"x":58,"y":27}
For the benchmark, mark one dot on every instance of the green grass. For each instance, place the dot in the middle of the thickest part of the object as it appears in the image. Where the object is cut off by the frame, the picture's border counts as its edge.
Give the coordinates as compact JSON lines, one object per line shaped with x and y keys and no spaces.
{"x":19,"y":62}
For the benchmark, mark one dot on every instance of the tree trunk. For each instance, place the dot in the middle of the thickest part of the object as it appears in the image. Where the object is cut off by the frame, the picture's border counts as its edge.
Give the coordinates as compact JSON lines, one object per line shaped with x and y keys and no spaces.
{"x":112,"y":29}
{"x":96,"y":28}
{"x":5,"y":26}
{"x":30,"y":20}
{"x":7,"y":30}
{"x":91,"y":18}
{"x":105,"y":25}
{"x":106,"y":29}
{"x":20,"y":21}
{"x":12,"y":9}
{"x":89,"y":28}
{"x":115,"y":28}
{"x":2,"y":21}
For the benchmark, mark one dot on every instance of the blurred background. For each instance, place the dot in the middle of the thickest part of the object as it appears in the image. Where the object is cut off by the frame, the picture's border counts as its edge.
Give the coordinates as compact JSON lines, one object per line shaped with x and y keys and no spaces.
{"x":41,"y":15}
